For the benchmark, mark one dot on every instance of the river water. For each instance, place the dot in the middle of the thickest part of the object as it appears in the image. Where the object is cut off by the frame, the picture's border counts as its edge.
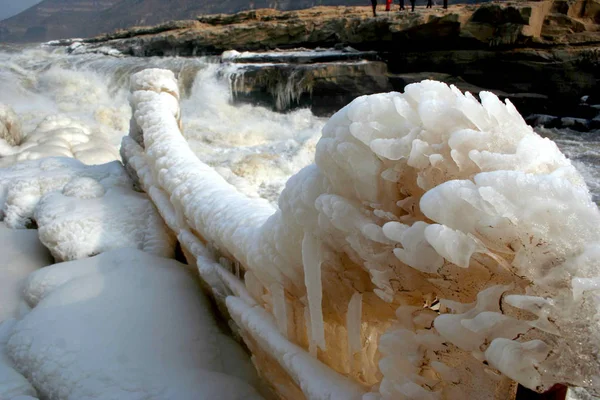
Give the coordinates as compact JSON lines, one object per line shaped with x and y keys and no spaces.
{"x":255,"y":148}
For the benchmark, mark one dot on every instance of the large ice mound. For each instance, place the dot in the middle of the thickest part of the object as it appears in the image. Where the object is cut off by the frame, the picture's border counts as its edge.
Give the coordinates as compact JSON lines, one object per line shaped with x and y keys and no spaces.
{"x":81,"y":210}
{"x":125,"y":325}
{"x":438,"y":248}
{"x":55,"y":136}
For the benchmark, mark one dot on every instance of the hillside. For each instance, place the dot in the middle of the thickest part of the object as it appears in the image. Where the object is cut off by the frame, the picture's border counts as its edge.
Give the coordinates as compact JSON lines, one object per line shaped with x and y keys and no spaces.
{"x":55,"y":19}
{"x":52,"y":19}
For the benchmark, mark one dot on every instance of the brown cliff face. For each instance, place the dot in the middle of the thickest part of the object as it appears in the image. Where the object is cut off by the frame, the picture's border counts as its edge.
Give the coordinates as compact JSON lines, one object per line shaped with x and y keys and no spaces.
{"x":56,"y":19}
{"x":543,"y":55}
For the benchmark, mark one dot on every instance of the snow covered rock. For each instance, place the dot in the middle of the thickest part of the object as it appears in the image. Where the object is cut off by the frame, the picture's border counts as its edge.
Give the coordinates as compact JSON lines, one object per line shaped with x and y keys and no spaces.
{"x":125,"y":325}
{"x":438,"y":248}
{"x":83,"y":221}
{"x":60,"y":136}
{"x":22,"y":253}
{"x":23,"y":185}
{"x":10,"y":126}
{"x":13,"y":385}
{"x":81,"y":210}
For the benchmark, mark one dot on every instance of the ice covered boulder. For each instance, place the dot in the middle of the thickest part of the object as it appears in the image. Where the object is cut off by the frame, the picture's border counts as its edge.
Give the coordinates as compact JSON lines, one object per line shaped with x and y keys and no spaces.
{"x":23,"y":185}
{"x":61,"y":136}
{"x":13,"y":385}
{"x":126,"y":325}
{"x":85,"y":220}
{"x":81,"y":210}
{"x":22,"y":253}
{"x":10,"y":126}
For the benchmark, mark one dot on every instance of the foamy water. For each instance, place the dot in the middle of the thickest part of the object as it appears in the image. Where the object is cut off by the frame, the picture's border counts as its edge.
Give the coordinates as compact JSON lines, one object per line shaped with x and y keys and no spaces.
{"x":256,"y":149}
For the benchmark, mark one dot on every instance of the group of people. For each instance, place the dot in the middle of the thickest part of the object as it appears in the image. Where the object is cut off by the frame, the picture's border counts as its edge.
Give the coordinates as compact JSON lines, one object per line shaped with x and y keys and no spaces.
{"x":388,"y":5}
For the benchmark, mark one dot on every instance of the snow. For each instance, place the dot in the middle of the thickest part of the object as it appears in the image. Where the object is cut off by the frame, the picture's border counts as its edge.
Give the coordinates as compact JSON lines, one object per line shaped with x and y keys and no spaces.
{"x":59,"y":136}
{"x":81,"y":210}
{"x":75,"y":227}
{"x":23,"y":185}
{"x":13,"y":385}
{"x":10,"y":127}
{"x":126,"y":325}
{"x":22,"y":254}
{"x":413,"y":197}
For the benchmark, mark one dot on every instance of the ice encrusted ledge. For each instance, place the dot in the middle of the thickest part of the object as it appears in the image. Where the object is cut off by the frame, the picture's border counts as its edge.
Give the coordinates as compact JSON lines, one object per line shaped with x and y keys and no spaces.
{"x":437,"y":249}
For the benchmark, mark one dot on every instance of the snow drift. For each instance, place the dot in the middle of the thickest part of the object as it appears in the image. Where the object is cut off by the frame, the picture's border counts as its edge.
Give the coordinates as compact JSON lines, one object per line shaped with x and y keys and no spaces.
{"x":125,"y":325}
{"x":437,"y":249}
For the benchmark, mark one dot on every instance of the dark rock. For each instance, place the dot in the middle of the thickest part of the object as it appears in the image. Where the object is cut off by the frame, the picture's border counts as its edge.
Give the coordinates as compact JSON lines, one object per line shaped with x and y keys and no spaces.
{"x":496,"y":15}
{"x":576,"y":124}
{"x":547,"y":121}
{"x":324,"y":88}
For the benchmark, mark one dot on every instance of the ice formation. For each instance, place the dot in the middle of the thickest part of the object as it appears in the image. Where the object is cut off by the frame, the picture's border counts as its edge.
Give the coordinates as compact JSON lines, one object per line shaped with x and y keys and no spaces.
{"x":437,"y":249}
{"x":10,"y":126}
{"x":81,"y":210}
{"x":59,"y":136}
{"x":22,"y":253}
{"x":13,"y":385}
{"x":124,"y":325}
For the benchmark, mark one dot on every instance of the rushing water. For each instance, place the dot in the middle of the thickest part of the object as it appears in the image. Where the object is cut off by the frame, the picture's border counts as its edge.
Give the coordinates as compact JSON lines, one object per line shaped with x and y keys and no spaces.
{"x":262,"y":147}
{"x":253,"y":147}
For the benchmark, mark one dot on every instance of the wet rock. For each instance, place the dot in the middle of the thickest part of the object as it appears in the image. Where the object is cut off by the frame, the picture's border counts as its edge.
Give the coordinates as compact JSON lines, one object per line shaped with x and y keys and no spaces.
{"x":324,"y":88}
{"x":576,"y":124}
{"x":547,"y":121}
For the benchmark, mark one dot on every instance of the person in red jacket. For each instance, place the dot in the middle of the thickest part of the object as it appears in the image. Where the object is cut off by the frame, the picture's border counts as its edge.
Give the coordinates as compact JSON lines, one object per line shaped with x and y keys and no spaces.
{"x":388,"y":5}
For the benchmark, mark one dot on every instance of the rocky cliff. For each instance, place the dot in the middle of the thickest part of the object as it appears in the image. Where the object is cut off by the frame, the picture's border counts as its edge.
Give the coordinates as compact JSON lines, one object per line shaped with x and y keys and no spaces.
{"x":543,"y":55}
{"x":55,"y":19}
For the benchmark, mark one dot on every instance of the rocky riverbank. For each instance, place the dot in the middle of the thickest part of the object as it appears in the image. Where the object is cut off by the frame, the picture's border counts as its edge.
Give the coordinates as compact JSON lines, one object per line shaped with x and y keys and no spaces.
{"x":544,"y":56}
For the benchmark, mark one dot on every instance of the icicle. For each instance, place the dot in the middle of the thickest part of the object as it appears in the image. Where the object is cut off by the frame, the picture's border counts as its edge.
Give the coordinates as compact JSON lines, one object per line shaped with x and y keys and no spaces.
{"x":353,"y":323}
{"x":255,"y":288}
{"x":312,"y":256}
{"x":312,"y":345}
{"x":279,"y":307}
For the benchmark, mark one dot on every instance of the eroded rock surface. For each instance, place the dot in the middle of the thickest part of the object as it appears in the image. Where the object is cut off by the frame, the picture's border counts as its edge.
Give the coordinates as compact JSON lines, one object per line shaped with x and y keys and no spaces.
{"x":544,"y":54}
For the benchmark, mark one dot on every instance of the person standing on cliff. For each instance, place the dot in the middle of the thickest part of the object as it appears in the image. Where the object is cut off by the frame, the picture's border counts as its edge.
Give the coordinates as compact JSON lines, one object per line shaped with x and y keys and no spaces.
{"x":374,"y":5}
{"x":402,"y":5}
{"x":388,"y":5}
{"x":412,"y":5}
{"x":429,"y":4}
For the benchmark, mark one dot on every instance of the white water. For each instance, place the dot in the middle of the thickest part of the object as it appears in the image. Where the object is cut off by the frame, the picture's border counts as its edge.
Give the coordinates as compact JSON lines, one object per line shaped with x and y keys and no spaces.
{"x":254,"y":148}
